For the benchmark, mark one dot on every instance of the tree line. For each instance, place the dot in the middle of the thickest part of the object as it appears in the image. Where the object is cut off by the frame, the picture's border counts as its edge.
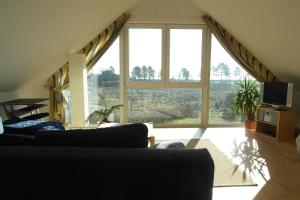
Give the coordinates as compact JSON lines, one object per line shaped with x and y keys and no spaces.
{"x":222,"y":70}
{"x":108,"y":78}
{"x":148,"y":73}
{"x":142,"y":73}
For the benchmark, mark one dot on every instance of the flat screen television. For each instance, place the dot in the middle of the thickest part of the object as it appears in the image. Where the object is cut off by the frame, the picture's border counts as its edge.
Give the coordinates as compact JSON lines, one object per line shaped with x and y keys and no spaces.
{"x":276,"y":94}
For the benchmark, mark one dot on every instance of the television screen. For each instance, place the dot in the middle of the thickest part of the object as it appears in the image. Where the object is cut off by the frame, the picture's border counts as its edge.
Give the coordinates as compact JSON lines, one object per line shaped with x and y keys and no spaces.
{"x":275,"y":93}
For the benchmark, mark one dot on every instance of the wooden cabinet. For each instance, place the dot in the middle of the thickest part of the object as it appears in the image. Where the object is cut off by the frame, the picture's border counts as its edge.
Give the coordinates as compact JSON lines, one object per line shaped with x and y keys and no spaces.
{"x":276,"y":124}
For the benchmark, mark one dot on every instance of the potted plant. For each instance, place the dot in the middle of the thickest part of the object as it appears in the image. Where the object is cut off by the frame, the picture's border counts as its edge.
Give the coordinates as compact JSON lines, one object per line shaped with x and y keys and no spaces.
{"x":103,"y":113}
{"x":245,"y":101}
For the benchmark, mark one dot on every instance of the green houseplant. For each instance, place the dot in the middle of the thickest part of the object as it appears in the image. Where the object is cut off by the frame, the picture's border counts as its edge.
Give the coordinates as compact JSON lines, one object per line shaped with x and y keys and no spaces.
{"x":245,"y":100}
{"x":103,"y":113}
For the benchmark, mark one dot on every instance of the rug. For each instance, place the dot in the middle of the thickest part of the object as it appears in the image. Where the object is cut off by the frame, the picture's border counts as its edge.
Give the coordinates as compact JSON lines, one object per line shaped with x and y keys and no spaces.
{"x":226,"y":172}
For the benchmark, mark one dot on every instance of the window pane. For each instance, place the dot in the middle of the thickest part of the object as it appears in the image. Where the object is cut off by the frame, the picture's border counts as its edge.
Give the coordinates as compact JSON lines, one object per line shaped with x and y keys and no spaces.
{"x":165,"y":106}
{"x":145,"y":49}
{"x":225,"y":72}
{"x":104,"y":83}
{"x":185,"y":54}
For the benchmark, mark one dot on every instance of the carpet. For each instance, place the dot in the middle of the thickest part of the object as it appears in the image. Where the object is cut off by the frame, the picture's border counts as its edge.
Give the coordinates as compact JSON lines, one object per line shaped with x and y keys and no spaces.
{"x":226,"y":172}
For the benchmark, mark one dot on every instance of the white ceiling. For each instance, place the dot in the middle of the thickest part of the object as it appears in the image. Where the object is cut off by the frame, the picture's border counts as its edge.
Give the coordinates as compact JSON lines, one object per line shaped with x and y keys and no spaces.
{"x":37,"y":34}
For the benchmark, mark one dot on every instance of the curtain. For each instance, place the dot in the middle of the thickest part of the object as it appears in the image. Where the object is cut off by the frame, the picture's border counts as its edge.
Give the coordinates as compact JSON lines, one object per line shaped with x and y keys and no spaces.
{"x":57,"y":83}
{"x":98,"y":46}
{"x":245,"y":58}
{"x":93,"y":51}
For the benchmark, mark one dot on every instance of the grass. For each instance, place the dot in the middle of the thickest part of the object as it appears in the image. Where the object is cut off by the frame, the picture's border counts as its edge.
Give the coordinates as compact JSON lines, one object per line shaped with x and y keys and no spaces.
{"x":171,"y":106}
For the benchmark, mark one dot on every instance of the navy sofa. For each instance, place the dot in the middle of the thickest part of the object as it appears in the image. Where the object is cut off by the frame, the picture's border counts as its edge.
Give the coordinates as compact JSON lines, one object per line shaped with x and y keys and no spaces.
{"x":89,"y":164}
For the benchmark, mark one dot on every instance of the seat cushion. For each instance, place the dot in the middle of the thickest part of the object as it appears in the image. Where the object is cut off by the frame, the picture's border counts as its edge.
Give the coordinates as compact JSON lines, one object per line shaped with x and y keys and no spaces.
{"x":122,"y":136}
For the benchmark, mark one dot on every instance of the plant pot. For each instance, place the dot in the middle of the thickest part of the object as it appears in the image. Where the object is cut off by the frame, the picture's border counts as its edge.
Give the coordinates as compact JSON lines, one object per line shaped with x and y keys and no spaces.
{"x":104,"y":120}
{"x":250,"y":124}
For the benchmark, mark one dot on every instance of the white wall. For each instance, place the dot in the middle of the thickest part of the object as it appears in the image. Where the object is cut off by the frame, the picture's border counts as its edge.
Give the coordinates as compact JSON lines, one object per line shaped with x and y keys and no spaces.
{"x":78,"y":90}
{"x":36,"y":87}
{"x":166,"y":11}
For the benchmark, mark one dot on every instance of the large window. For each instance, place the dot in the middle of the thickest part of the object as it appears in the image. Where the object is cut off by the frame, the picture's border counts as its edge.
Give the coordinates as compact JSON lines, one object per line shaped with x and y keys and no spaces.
{"x":164,"y":84}
{"x":225,"y":72}
{"x":104,"y":83}
{"x":161,"y":76}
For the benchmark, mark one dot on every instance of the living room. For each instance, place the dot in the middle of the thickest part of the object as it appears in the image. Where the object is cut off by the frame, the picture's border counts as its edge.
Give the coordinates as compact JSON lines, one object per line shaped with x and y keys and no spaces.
{"x":183,"y":96}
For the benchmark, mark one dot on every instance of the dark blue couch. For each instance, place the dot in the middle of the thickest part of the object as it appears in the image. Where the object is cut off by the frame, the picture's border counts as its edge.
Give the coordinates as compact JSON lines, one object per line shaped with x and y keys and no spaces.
{"x":89,"y":164}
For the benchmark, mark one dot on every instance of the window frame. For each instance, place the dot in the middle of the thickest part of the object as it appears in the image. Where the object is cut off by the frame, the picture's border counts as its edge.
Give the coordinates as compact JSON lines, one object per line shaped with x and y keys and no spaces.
{"x":165,"y":81}
{"x":203,"y":84}
{"x":144,"y":84}
{"x":168,"y":68}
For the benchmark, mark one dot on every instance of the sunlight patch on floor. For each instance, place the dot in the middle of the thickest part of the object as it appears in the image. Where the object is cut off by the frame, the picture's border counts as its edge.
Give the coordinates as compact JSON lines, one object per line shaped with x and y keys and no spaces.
{"x":177,"y":133}
{"x":239,"y":145}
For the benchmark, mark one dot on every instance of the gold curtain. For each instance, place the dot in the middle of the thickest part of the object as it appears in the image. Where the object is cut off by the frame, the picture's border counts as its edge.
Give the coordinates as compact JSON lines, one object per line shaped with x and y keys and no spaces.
{"x":57,"y":83}
{"x":98,"y":46}
{"x":93,"y":51}
{"x":245,"y":58}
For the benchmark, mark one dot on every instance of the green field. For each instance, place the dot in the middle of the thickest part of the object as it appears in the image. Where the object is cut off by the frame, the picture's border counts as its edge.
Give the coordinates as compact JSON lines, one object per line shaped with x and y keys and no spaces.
{"x":168,"y":106}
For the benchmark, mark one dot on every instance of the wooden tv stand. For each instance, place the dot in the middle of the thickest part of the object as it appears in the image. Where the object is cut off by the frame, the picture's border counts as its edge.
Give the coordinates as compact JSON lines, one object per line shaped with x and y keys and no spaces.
{"x":275,"y":124}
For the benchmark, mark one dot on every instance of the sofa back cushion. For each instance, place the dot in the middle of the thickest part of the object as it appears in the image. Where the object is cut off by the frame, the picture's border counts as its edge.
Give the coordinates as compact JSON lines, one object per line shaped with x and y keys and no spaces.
{"x":121,"y":136}
{"x":55,"y":173}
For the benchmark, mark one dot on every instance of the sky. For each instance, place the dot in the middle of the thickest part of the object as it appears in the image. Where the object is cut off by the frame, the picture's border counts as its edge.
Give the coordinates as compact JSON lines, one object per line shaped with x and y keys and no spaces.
{"x":145,"y":48}
{"x":219,"y":55}
{"x":185,"y":52}
{"x":109,"y":58}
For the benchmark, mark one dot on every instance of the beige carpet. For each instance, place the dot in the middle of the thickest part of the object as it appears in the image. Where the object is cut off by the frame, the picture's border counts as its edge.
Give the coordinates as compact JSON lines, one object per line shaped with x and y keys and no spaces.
{"x":226,"y":172}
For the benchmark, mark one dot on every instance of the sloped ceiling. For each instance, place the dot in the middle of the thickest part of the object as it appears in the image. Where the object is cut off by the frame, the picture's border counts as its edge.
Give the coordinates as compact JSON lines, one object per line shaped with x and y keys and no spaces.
{"x":268,"y":28}
{"x":36,"y":34}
